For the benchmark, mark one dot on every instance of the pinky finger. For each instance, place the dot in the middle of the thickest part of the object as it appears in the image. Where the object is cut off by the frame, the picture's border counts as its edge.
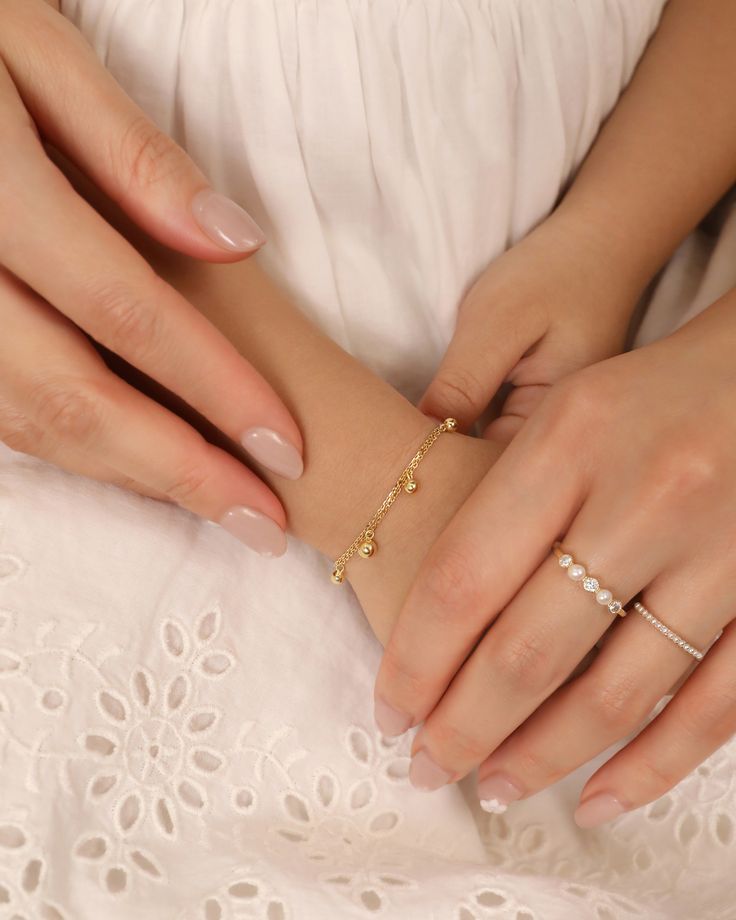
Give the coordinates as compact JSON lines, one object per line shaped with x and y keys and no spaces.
{"x":700,"y":718}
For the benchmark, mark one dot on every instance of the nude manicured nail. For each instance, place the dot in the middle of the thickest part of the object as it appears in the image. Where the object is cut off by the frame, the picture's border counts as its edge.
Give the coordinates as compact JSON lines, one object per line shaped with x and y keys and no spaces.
{"x":425,"y":774}
{"x":389,"y":720}
{"x":598,"y":809}
{"x":256,"y":530}
{"x":273,"y":451}
{"x":225,"y":222}
{"x":496,"y":792}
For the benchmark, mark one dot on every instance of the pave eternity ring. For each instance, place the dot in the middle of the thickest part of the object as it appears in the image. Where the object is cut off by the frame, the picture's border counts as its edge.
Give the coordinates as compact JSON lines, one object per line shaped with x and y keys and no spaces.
{"x":666,"y":631}
{"x":576,"y":572}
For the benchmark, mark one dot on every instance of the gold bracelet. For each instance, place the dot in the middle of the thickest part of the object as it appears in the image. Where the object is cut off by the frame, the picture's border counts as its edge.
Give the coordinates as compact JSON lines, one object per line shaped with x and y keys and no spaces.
{"x":364,"y":544}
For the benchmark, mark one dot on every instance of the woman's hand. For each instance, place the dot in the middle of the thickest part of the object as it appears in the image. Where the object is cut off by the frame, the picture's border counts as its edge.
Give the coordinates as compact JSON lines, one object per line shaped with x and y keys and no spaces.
{"x":552,"y":304}
{"x":631,"y":464}
{"x":64,"y":272}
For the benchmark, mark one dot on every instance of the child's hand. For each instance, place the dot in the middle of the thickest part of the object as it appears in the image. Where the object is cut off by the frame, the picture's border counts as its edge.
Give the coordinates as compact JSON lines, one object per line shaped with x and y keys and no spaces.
{"x":554,"y":303}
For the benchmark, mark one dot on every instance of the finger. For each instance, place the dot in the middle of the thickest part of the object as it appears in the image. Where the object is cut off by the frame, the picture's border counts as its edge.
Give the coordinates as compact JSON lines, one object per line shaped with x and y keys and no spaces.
{"x":63,"y":249}
{"x":699,"y":719}
{"x":58,"y":381}
{"x":79,"y":107}
{"x":537,"y":640}
{"x":20,"y":434}
{"x":488,"y":341}
{"x":474,"y":569}
{"x":516,"y":409}
{"x":637,"y":667}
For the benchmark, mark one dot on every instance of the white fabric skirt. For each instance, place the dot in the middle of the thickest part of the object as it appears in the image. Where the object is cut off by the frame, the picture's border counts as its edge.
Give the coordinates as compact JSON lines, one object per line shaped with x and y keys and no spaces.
{"x":186,"y":729}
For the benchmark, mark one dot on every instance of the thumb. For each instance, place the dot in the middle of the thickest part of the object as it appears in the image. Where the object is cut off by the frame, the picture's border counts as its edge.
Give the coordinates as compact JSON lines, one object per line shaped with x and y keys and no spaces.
{"x":78,"y":107}
{"x":480,"y":356}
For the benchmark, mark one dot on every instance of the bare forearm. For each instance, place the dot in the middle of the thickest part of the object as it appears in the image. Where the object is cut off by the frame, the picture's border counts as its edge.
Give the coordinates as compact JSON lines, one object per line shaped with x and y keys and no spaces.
{"x":668,"y":151}
{"x":358,"y":431}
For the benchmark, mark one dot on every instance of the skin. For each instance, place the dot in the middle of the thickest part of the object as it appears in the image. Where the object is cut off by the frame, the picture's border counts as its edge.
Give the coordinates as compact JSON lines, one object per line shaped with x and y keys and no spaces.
{"x":629,"y":462}
{"x":65,"y":271}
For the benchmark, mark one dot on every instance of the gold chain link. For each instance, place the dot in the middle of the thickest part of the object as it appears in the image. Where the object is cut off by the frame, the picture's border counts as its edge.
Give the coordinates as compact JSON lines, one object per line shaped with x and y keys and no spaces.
{"x":364,"y":542}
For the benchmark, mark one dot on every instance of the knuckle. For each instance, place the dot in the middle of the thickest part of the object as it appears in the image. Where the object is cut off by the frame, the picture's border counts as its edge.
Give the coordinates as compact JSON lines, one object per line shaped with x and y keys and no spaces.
{"x":530,"y":763}
{"x":68,"y":409}
{"x":684,"y":470}
{"x":188,"y":484}
{"x":615,"y":701}
{"x":122,"y":319}
{"x":656,"y":778}
{"x":710,"y":718}
{"x":524,"y":663}
{"x":574,"y":402}
{"x":451,"y":585}
{"x":404,"y":685}
{"x":147,"y":156}
{"x":457,"y":746}
{"x":460,"y":390}
{"x":16,"y":431}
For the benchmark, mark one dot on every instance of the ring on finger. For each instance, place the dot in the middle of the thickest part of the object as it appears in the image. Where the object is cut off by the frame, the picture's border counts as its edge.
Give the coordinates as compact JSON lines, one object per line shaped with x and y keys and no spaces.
{"x":577,"y":572}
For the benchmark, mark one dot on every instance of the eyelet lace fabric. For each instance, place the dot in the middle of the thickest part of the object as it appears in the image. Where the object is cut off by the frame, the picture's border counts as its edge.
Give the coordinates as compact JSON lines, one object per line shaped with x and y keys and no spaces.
{"x":186,"y":730}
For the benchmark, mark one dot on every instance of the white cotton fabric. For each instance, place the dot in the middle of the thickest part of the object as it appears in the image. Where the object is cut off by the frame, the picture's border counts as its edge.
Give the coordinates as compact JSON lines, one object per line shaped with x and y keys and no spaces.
{"x":186,"y":729}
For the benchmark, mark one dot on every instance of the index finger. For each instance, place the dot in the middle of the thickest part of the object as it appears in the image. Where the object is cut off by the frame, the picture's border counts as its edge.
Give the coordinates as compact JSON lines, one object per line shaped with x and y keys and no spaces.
{"x":474,"y":569}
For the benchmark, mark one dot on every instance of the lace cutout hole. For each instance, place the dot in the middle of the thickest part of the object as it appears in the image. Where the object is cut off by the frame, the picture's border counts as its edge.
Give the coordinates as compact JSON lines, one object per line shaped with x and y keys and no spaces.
{"x":146,"y":864}
{"x":202,"y":721}
{"x":174,"y":639}
{"x":359,"y":745}
{"x":724,"y":829}
{"x":325,"y":789}
{"x":178,"y":692}
{"x":687,"y":829}
{"x":32,"y":875}
{"x":142,"y":687}
{"x":12,"y":837}
{"x":93,"y":848}
{"x":53,"y":700}
{"x":212,"y":909}
{"x":275,"y":911}
{"x":128,"y":813}
{"x":215,"y":665}
{"x":4,"y":895}
{"x":164,"y":817}
{"x":384,"y":823}
{"x":489,"y":898}
{"x":244,"y":800}
{"x":362,"y":794}
{"x":371,"y":899}
{"x":112,"y":706}
{"x":243,"y":891}
{"x":116,"y":880}
{"x":296,"y":807}
{"x":10,"y":663}
{"x":191,"y":796}
{"x":208,"y":626}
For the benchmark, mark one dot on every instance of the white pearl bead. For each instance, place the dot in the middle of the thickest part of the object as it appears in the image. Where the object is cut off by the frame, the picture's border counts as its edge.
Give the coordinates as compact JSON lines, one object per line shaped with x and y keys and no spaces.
{"x":576,"y":572}
{"x":604,"y":597}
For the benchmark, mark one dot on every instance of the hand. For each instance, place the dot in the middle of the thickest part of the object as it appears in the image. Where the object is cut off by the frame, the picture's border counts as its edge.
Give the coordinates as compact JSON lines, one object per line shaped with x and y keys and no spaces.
{"x":64,"y":272}
{"x":631,"y":464}
{"x":556,"y":302}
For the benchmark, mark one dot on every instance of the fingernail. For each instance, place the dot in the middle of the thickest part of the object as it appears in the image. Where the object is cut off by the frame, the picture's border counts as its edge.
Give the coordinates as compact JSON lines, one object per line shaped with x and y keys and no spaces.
{"x":389,"y":720}
{"x":256,"y":530}
{"x":598,"y":809}
{"x":225,"y":222}
{"x":496,"y":792}
{"x":273,"y":451}
{"x":425,"y":774}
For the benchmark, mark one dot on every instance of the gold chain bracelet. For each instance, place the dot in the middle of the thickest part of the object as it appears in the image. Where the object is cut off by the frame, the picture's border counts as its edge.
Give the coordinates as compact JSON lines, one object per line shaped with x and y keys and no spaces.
{"x":364,"y":544}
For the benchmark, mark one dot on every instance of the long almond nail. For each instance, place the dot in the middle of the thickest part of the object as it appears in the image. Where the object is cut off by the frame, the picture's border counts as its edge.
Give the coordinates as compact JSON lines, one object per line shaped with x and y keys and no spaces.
{"x":496,"y":792}
{"x":225,"y":222}
{"x":274,"y":451}
{"x":425,"y":774}
{"x":598,"y":809}
{"x":258,"y":531}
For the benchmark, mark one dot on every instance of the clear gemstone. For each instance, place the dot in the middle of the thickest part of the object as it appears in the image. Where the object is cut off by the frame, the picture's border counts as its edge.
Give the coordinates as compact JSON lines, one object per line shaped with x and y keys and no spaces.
{"x":591,"y":584}
{"x":566,"y":561}
{"x":615,"y":606}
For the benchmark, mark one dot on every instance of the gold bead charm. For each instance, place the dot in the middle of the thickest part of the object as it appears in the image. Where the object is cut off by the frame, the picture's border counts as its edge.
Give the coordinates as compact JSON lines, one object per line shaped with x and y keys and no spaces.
{"x":368,"y":546}
{"x":338,"y":575}
{"x":410,"y":486}
{"x":451,"y":424}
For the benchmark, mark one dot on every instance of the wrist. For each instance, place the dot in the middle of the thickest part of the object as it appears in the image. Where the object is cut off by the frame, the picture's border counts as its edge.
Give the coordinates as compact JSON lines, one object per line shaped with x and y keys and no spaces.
{"x":447,"y":476}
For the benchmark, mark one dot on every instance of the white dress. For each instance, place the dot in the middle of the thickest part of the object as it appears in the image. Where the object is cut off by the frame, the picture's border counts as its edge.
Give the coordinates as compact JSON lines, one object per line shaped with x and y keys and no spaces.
{"x":186,"y":729}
